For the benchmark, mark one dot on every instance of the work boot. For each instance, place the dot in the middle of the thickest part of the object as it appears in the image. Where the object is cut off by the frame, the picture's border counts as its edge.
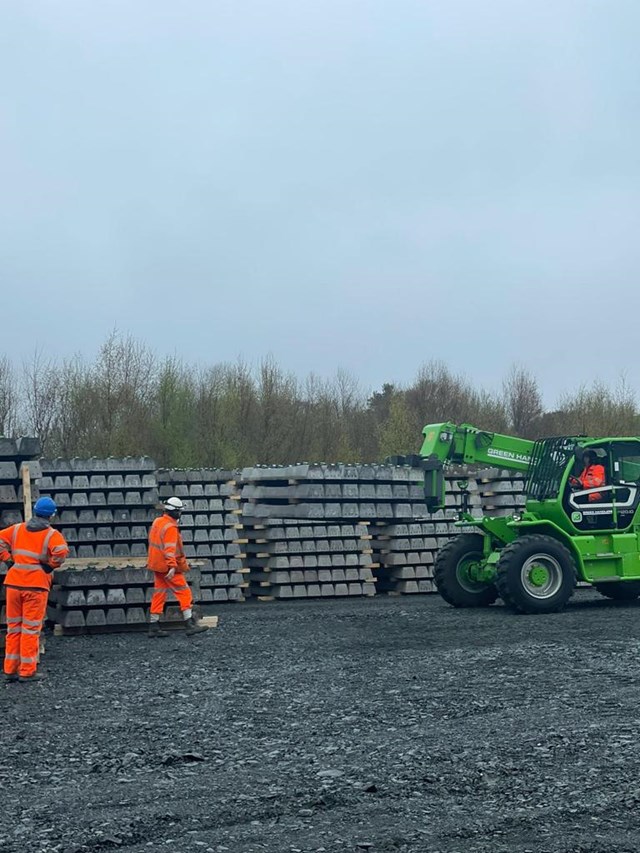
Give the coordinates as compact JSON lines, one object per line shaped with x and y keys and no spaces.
{"x":37,"y":676}
{"x":156,"y":631}
{"x":194,"y":627}
{"x":10,"y":676}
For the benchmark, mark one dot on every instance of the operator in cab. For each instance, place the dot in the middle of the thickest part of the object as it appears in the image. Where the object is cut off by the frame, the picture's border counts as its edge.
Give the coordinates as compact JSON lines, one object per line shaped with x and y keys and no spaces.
{"x":593,"y":475}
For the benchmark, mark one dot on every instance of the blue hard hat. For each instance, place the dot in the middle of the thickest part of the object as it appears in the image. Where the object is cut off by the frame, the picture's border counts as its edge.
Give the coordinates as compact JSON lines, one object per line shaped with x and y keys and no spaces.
{"x":45,"y":508}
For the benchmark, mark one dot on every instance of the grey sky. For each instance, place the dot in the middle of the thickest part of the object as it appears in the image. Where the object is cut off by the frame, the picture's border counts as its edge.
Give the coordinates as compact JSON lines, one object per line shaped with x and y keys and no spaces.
{"x":357,"y":183}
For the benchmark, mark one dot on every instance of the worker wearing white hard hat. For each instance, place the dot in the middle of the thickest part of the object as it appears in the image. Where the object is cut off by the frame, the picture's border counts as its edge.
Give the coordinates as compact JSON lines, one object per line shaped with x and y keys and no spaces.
{"x":169,"y":566}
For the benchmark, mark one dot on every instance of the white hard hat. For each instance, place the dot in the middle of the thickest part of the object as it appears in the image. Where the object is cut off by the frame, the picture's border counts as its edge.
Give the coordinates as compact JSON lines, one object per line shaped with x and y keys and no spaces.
{"x":173,"y":505}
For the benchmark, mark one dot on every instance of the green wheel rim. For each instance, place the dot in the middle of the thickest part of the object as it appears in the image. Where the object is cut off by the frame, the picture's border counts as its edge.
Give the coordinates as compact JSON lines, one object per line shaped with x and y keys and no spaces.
{"x":541,"y":576}
{"x":463,"y":576}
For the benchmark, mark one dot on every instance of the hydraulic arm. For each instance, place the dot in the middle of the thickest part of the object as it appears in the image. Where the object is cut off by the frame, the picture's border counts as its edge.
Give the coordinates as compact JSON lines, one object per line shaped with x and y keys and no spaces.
{"x":450,"y":444}
{"x":466,"y":444}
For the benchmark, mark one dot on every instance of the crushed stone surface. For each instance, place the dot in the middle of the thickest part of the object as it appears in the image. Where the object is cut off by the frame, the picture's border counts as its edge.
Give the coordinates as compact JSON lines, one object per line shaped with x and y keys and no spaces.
{"x":385,"y":724}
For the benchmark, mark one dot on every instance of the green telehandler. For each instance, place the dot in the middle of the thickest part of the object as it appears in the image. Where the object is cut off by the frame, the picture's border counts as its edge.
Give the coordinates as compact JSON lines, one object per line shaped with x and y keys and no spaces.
{"x":568,"y":531}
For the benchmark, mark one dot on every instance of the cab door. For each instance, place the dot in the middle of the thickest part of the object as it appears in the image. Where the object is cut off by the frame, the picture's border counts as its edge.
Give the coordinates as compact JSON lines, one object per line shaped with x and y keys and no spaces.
{"x":592,"y":510}
{"x":625,"y":468}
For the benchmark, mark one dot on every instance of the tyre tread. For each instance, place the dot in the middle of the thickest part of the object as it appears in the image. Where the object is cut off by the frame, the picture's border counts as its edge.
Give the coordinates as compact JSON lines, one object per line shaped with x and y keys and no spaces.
{"x":442,"y":575}
{"x":512,"y":552}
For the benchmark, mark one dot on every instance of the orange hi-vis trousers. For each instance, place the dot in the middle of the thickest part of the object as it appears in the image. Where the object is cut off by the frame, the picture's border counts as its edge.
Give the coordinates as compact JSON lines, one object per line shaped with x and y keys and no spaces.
{"x":178,"y":586}
{"x":26,"y":611}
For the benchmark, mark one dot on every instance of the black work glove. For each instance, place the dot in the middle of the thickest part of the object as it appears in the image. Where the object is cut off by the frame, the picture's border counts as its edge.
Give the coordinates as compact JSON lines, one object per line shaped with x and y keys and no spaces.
{"x":46,"y":568}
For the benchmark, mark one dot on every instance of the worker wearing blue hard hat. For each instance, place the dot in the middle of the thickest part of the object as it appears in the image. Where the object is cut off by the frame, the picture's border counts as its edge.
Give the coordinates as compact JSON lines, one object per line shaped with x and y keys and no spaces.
{"x":32,"y":550}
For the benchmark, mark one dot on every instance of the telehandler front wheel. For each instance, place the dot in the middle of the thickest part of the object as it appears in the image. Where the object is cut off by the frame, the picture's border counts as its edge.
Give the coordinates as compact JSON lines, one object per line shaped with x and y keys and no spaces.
{"x":536,"y":574}
{"x":619,"y":590}
{"x":453,"y":572}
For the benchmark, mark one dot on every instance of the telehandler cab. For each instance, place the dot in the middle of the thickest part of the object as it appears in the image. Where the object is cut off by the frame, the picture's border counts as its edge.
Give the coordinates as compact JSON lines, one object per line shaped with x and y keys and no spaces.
{"x":533,"y":559}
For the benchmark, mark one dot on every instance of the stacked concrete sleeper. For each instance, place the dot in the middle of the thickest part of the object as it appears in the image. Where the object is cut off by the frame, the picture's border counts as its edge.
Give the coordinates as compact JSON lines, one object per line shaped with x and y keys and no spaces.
{"x":97,"y":599}
{"x":105,"y":506}
{"x":291,"y":559}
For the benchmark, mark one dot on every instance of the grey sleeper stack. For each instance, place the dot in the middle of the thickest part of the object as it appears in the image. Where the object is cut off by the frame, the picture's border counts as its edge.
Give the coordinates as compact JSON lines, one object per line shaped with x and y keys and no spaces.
{"x":116,"y":599}
{"x":105,"y":506}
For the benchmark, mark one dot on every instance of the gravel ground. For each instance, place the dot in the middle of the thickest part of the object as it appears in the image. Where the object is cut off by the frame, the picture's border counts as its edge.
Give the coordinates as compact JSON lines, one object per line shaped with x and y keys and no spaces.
{"x":395,"y":724}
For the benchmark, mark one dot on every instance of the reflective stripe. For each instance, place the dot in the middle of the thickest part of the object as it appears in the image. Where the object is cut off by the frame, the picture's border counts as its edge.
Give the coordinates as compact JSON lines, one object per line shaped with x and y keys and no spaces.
{"x":58,"y":549}
{"x":45,"y":544}
{"x":11,"y":619}
{"x":153,"y":545}
{"x":180,"y":588}
{"x":28,"y":660}
{"x":28,"y":567}
{"x":31,"y":633}
{"x":12,"y":657}
{"x":33,"y":622}
{"x":24,"y":553}
{"x":15,"y":535}
{"x":14,"y":630}
{"x":163,"y":534}
{"x":160,"y":590}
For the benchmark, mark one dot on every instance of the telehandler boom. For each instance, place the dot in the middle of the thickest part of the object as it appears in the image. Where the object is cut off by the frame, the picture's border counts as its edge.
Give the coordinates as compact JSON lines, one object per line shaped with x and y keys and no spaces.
{"x":570,"y":530}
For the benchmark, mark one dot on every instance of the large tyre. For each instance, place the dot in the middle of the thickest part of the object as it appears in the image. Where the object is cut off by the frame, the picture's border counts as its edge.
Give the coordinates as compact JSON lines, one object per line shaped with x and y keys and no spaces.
{"x":619,"y":591}
{"x":536,"y":574}
{"x":451,"y":573}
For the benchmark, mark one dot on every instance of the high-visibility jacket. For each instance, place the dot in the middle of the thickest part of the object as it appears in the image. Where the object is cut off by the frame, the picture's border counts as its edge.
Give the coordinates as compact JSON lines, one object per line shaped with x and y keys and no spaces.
{"x":166,"y":550}
{"x":592,"y":476}
{"x":32,"y":546}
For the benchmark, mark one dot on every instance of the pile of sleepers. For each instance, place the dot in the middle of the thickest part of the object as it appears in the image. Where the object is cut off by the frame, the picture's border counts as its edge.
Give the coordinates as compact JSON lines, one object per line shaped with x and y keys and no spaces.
{"x":333,"y":492}
{"x":291,"y":559}
{"x":15,"y":454}
{"x":306,"y":527}
{"x":500,"y":492}
{"x":103,"y":598}
{"x":105,"y":506}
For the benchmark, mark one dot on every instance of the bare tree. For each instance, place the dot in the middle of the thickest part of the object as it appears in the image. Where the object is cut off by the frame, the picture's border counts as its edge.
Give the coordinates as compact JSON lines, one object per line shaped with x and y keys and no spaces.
{"x":123,"y":380}
{"x":8,"y":397}
{"x":42,"y":398}
{"x":437,"y":395}
{"x":599,"y":410}
{"x":523,"y":401}
{"x":232,"y":414}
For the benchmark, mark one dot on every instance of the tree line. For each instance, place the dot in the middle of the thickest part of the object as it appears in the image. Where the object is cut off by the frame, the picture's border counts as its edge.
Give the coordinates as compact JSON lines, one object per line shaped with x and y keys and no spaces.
{"x":128,"y":401}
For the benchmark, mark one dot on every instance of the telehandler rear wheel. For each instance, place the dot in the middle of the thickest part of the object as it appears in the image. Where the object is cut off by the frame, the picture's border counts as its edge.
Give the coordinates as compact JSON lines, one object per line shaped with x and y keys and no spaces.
{"x":453,"y":573}
{"x":536,"y":574}
{"x":619,"y":591}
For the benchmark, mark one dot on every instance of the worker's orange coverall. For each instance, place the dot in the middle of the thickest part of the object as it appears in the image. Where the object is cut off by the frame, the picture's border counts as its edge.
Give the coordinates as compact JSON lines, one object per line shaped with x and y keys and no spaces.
{"x":166,"y":552}
{"x":31,"y":546}
{"x":592,"y":476}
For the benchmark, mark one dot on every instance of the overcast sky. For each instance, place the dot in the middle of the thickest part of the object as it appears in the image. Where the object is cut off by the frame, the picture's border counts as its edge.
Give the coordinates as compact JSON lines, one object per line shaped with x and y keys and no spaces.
{"x":358,"y":183}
